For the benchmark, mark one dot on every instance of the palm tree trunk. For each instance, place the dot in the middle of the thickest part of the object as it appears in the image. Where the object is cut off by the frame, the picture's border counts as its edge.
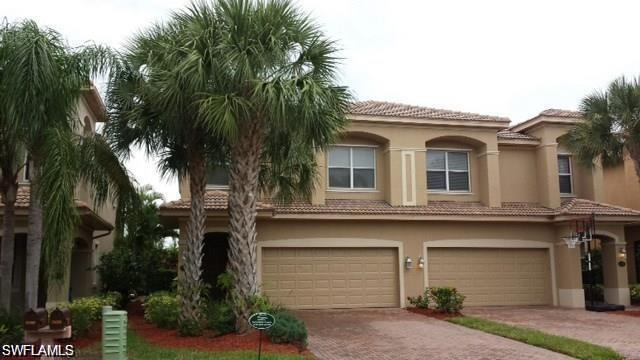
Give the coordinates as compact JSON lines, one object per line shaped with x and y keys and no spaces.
{"x":8,"y":244}
{"x":190,"y":279}
{"x":34,"y":240}
{"x":634,"y":153}
{"x":243,"y":196}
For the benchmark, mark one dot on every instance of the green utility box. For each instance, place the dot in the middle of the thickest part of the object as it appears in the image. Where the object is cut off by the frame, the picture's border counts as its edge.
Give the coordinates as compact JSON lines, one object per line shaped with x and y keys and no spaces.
{"x":114,"y":335}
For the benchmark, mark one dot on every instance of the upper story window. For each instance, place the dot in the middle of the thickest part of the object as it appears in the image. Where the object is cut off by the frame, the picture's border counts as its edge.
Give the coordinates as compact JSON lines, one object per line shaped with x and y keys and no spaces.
{"x":218,"y":176}
{"x":448,"y":171}
{"x":565,"y":174}
{"x":352,"y":167}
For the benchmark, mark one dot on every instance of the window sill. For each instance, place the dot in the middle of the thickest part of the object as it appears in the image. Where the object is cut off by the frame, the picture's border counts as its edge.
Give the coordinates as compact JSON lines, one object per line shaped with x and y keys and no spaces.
{"x":568,"y":195}
{"x":217,"y":187}
{"x":449,"y":193}
{"x":354,"y":190}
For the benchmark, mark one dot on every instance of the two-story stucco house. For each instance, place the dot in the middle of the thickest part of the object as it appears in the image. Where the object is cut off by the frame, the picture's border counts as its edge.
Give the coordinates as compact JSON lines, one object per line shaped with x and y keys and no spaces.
{"x":413,"y":197}
{"x":93,"y":235}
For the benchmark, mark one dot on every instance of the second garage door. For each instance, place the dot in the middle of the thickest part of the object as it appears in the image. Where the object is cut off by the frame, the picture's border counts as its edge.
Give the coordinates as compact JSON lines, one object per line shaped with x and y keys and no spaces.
{"x":317,"y":278}
{"x":493,"y":276}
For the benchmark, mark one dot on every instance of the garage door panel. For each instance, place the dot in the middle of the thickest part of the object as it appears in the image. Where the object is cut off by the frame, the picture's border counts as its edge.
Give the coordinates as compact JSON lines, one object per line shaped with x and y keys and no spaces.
{"x":493,"y":276}
{"x":331,"y":277}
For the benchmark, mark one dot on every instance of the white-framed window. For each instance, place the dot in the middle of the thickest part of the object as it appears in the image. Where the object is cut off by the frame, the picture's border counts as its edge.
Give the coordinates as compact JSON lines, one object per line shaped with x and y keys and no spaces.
{"x":218,"y":177}
{"x":352,"y":167}
{"x":448,"y":171}
{"x":565,"y":176}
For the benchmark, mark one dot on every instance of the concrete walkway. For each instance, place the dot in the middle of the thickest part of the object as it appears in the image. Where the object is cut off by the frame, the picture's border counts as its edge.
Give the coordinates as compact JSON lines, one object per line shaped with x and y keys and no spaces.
{"x":619,"y":332}
{"x":392,"y":334}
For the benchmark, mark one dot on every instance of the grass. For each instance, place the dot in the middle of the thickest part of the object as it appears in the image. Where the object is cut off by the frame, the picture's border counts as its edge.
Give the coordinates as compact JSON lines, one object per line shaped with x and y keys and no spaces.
{"x":560,"y":344}
{"x":138,"y":349}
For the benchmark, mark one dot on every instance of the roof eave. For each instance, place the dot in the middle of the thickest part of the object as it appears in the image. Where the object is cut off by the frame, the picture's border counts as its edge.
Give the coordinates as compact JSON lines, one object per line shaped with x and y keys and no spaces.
{"x":493,"y":124}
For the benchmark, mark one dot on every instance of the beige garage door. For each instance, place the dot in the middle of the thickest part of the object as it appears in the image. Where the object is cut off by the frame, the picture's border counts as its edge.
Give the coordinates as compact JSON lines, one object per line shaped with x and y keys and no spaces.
{"x":316,"y":278}
{"x":493,"y":276}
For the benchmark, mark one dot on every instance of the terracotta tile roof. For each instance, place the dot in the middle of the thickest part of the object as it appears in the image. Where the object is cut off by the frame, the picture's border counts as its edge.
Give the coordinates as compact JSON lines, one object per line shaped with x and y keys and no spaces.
{"x":214,"y":200}
{"x":383,"y":108}
{"x":375,"y":207}
{"x":576,"y":206}
{"x":512,"y":135}
{"x":24,"y":192}
{"x":217,"y":201}
{"x":561,"y":113}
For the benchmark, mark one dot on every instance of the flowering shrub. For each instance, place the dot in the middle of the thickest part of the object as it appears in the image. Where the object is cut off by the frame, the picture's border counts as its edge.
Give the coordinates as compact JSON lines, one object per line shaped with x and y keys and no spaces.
{"x":447,"y":299}
{"x":162,"y":309}
{"x":87,"y":310}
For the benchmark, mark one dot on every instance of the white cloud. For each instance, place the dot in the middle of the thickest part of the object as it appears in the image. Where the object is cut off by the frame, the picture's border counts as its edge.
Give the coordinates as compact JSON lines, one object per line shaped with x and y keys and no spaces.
{"x":508,"y":58}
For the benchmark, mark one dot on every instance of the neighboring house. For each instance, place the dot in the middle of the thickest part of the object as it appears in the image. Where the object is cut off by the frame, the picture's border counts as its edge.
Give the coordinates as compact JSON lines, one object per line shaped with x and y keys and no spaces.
{"x":94,"y":233}
{"x":413,"y":197}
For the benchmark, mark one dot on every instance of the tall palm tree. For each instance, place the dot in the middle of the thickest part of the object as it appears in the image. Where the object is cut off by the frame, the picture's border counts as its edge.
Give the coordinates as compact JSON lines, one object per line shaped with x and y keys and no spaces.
{"x":47,"y":78}
{"x":276,"y":102}
{"x":611,"y":127}
{"x":11,"y":158}
{"x":152,"y":103}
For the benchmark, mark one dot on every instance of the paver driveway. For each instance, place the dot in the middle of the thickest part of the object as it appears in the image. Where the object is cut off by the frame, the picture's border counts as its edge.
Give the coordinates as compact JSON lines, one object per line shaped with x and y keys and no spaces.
{"x":619,"y":332}
{"x":374,"y":334}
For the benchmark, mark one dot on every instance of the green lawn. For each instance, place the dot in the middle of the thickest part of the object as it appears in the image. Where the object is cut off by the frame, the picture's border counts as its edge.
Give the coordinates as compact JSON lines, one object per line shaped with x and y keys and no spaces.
{"x":560,"y":344}
{"x":141,"y":350}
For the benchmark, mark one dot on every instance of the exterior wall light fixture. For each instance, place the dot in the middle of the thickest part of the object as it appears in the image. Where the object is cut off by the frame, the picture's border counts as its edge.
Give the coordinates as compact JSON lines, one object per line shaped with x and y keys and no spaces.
{"x":421,"y":262}
{"x":408,"y":263}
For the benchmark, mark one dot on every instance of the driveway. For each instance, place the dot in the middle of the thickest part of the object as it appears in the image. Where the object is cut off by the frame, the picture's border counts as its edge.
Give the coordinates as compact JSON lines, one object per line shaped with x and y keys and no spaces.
{"x":619,"y":332}
{"x":398,"y":334}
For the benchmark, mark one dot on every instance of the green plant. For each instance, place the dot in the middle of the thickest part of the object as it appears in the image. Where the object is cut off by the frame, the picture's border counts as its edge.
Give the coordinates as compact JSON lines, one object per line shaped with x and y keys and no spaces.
{"x":220,"y":317}
{"x":560,"y":344}
{"x":635,"y":292}
{"x":121,"y":271}
{"x":85,"y":311}
{"x":420,"y":301}
{"x":10,"y":328}
{"x":188,"y":327}
{"x":162,"y":309}
{"x":447,"y":299}
{"x":288,"y":329}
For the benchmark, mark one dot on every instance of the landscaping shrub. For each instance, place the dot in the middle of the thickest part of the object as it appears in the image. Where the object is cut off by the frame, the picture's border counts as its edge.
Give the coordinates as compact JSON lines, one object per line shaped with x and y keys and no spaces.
{"x":189,"y":328}
{"x":10,"y":328}
{"x":447,"y":299}
{"x":420,"y":301}
{"x":635,"y":293}
{"x":87,"y":310}
{"x":288,"y":329}
{"x":220,"y":317}
{"x":122,"y":272}
{"x":162,"y":309}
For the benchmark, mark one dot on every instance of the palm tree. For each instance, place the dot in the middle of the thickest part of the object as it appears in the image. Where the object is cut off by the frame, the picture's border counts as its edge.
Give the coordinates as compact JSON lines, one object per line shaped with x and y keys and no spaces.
{"x":11,"y":158}
{"x":276,"y":102}
{"x":611,"y":125}
{"x":152,"y":103}
{"x":46,"y":78}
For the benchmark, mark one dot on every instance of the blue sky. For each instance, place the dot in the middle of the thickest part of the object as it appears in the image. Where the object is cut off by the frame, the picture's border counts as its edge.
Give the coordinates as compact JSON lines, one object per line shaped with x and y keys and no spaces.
{"x":507,"y":58}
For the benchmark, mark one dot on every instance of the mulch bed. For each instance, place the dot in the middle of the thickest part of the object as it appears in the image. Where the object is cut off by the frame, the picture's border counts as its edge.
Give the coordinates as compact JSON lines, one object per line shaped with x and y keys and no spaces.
{"x":433,"y":313}
{"x":633,"y":313}
{"x":93,"y":336}
{"x":208,"y":341}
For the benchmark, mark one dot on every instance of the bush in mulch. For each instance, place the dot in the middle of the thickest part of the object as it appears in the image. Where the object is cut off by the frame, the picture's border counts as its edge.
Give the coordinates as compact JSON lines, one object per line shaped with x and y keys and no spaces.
{"x":209,"y":341}
{"x":433,"y":313}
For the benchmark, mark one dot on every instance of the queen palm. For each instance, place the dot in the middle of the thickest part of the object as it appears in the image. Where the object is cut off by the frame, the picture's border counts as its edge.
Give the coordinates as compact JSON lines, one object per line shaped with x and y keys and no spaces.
{"x":46,"y":79}
{"x":611,"y":127}
{"x":274,"y":99}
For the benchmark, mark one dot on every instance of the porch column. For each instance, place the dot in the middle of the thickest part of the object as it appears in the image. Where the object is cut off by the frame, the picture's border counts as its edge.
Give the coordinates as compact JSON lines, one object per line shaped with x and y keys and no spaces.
{"x":320,"y":190}
{"x":616,"y":283}
{"x":490,"y":182}
{"x":568,"y":272}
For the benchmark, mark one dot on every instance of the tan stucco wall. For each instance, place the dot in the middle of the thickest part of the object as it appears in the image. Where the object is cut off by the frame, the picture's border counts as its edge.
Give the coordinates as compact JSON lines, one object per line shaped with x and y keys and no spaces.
{"x":518,"y":177}
{"x":412,"y":235}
